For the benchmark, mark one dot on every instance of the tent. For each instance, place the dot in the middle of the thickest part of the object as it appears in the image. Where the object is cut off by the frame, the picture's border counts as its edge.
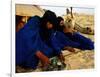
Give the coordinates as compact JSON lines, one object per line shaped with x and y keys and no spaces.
{"x":27,"y":11}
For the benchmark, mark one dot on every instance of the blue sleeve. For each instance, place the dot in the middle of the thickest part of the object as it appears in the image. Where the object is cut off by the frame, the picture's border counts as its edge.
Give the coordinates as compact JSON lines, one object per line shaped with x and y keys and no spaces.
{"x":27,"y":38}
{"x":63,"y":39}
{"x":56,"y":45}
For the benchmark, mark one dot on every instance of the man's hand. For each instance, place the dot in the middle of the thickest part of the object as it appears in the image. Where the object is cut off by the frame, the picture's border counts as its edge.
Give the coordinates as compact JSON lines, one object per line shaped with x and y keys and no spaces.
{"x":44,"y":59}
{"x":70,"y":49}
{"x":61,"y":57}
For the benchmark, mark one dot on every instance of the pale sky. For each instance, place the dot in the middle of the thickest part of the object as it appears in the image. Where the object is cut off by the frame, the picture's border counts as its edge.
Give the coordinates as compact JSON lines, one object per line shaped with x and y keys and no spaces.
{"x":62,"y":10}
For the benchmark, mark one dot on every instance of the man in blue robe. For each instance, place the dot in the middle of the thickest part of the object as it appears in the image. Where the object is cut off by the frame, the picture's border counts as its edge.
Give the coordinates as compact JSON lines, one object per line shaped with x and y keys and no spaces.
{"x":83,"y":43}
{"x":28,"y":43}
